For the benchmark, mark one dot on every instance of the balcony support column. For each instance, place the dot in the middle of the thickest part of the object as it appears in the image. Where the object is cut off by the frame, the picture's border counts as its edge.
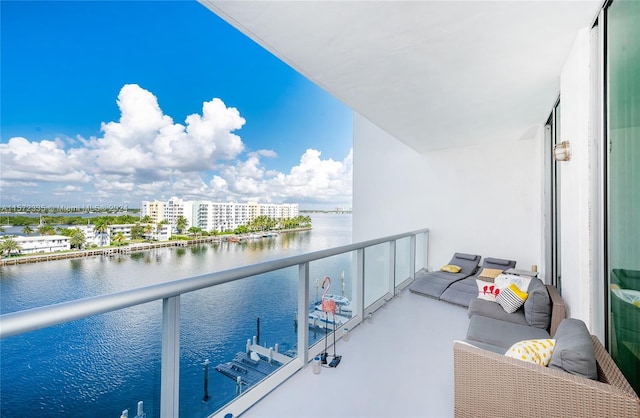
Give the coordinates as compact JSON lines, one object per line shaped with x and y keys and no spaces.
{"x":170,"y":375}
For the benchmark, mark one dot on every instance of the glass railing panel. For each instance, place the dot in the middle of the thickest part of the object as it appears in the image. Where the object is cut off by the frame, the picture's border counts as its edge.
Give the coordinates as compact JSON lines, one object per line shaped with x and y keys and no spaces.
{"x":98,"y":366}
{"x":216,"y":326}
{"x":422,"y":242}
{"x":403,"y":260}
{"x":339,"y":288}
{"x":376,"y":273}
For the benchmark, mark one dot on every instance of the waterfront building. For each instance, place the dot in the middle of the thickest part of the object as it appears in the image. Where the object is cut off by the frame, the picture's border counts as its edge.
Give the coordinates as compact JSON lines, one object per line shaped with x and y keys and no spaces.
{"x":43,"y":244}
{"x":154,"y":209}
{"x":158,"y":232}
{"x":173,"y":209}
{"x":93,"y":237}
{"x":215,"y":216}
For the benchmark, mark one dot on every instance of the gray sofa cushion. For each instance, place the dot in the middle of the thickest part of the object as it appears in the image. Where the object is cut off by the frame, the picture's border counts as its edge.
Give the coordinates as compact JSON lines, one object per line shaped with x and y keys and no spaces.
{"x":495,"y":311}
{"x":501,"y":333}
{"x":537,"y":307}
{"x":461,"y":292}
{"x":574,"y":351}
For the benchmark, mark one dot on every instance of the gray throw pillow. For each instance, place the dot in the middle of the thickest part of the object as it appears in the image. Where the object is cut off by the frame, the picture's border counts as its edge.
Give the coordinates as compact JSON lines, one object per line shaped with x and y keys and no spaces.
{"x":537,"y":307}
{"x":574,"y":351}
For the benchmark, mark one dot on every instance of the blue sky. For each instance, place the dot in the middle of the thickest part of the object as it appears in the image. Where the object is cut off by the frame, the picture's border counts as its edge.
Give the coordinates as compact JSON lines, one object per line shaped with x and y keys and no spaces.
{"x":103,"y":103}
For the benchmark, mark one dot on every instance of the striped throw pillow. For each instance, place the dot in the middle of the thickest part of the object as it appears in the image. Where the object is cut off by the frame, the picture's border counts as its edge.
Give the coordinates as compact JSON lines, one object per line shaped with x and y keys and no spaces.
{"x":511,"y":298}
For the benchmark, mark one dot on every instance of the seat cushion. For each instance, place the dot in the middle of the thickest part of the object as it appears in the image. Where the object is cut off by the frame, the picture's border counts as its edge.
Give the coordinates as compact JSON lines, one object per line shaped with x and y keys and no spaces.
{"x":495,"y":311}
{"x":501,"y":333}
{"x":537,"y":307}
{"x":461,"y":292}
{"x":574,"y":352}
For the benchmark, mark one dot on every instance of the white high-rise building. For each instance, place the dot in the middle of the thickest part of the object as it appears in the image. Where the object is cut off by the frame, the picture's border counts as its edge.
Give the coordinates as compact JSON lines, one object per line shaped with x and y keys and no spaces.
{"x":172,"y":210}
{"x":218,"y":216}
{"x":153,"y":209}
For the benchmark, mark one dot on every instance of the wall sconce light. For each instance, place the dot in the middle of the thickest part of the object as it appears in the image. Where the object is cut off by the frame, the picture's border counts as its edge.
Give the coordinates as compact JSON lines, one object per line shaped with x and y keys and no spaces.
{"x":562,"y":151}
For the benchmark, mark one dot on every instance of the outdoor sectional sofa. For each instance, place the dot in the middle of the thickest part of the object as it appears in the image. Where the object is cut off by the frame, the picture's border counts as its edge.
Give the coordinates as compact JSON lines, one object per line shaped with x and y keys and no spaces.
{"x":581,"y":379}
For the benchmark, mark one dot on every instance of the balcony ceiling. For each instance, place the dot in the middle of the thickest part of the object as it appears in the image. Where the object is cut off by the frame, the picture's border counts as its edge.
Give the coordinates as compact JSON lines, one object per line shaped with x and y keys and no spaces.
{"x":434,"y":74}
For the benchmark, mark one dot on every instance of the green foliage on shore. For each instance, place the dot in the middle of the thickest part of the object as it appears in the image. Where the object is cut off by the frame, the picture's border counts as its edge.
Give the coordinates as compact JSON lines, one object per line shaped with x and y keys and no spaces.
{"x":19,"y":220}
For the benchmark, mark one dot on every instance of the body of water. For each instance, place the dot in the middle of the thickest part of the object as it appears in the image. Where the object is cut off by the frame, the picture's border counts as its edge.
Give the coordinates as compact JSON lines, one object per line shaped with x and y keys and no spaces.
{"x":99,"y":366}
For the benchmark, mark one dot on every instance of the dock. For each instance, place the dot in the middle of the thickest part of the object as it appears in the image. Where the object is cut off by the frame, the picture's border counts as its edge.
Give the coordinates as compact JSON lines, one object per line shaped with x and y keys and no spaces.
{"x":254,"y":364}
{"x":104,"y":251}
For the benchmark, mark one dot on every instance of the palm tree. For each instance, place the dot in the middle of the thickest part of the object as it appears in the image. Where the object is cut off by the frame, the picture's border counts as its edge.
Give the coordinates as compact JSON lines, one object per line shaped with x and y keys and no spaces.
{"x":77,"y":238}
{"x":9,"y":245}
{"x":119,"y":238}
{"x":148,"y":229}
{"x":181,"y":223}
{"x":194,"y":230}
{"x":136,"y":231}
{"x":27,"y":230}
{"x":102,"y":229}
{"x":46,"y":230}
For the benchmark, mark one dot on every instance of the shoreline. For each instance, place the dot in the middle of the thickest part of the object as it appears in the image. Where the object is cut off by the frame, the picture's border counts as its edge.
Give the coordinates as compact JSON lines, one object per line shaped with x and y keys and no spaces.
{"x":144,"y":246}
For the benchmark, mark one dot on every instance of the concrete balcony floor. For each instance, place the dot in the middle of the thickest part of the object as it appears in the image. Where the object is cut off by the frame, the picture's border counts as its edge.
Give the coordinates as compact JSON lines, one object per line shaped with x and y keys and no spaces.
{"x":398,"y":365}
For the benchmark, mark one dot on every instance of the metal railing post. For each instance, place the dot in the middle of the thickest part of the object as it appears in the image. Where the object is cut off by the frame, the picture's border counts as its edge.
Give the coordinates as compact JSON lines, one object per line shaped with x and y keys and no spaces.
{"x":412,"y":256}
{"x":392,"y":268}
{"x":170,"y":375}
{"x":426,"y":249}
{"x":303,"y":312}
{"x":359,"y":284}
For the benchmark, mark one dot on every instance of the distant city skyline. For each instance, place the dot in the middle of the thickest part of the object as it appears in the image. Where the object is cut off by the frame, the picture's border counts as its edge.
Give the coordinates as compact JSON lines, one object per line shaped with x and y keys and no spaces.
{"x":112,"y":103}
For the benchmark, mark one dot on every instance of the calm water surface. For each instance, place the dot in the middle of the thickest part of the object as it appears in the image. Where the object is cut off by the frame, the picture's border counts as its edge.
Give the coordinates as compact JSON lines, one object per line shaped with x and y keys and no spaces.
{"x":100,"y":366}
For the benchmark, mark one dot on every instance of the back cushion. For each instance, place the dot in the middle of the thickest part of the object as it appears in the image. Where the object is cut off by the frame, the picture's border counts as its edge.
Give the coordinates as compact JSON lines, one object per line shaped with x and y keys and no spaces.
{"x":574,"y":351}
{"x":537,"y":307}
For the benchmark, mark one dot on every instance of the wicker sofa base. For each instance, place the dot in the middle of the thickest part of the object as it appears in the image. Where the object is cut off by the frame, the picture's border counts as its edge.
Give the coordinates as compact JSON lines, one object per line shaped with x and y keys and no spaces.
{"x":492,"y":385}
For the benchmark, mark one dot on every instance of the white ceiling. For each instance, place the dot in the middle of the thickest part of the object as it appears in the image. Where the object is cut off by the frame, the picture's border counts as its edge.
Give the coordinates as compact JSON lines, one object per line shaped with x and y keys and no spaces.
{"x":434,"y":74}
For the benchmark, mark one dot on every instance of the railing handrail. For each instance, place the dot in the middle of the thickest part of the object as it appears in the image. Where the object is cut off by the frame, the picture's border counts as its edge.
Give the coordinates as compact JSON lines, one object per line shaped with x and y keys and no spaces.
{"x":16,"y":323}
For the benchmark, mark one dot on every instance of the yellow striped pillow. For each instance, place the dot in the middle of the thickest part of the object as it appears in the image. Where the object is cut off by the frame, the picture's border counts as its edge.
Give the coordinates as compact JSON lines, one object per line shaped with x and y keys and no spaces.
{"x":511,"y":298}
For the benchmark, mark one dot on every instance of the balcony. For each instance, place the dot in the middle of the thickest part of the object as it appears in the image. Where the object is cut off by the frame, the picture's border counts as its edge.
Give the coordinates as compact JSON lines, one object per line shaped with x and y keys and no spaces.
{"x":388,"y":338}
{"x":400,"y":364}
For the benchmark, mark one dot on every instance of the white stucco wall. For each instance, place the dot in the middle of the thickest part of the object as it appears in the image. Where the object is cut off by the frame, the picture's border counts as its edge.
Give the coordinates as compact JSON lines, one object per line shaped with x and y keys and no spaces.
{"x":576,"y":192}
{"x":481,"y":199}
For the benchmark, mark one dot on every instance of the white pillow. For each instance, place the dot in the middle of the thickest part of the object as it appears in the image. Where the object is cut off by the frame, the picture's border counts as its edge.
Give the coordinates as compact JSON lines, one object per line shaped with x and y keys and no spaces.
{"x":504,"y":280}
{"x":487,"y":290}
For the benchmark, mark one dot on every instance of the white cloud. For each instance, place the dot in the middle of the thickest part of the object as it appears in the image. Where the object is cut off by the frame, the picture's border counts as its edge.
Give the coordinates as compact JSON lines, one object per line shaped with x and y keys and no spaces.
{"x":145,"y":155}
{"x":312,"y":180}
{"x":46,"y":161}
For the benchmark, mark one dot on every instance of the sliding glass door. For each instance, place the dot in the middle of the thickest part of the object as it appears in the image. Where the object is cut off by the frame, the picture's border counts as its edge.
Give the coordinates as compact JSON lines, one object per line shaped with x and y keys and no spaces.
{"x":623,"y":185}
{"x":552,"y":200}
